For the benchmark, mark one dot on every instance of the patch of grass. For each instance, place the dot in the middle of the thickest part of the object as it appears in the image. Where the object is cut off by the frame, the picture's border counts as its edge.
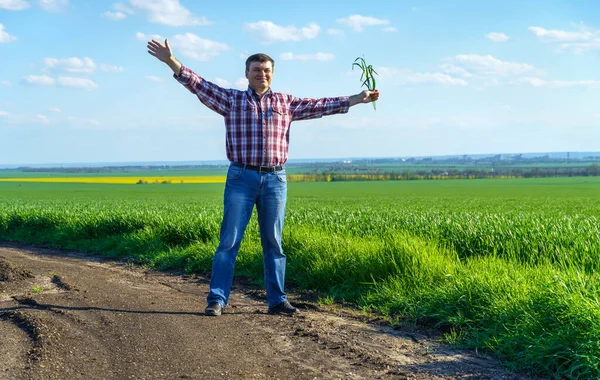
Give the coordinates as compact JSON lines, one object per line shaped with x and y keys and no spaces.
{"x":36,"y":289}
{"x":326,"y":300}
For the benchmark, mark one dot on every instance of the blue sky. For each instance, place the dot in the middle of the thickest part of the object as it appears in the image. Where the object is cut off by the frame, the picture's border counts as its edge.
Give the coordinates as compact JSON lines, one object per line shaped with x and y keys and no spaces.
{"x":456,"y":77}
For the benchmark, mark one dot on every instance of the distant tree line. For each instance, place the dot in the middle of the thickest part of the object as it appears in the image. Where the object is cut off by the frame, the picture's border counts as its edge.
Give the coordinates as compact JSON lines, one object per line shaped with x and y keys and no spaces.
{"x":365,"y":172}
{"x":507,"y":172}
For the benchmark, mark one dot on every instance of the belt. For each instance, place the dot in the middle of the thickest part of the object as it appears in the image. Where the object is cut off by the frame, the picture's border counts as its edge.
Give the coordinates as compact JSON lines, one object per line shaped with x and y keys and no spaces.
{"x":260,"y":169}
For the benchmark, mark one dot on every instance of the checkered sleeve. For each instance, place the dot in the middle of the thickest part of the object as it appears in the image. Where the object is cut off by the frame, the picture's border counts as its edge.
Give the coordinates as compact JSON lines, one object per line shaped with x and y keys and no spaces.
{"x":214,"y":97}
{"x":304,"y":109}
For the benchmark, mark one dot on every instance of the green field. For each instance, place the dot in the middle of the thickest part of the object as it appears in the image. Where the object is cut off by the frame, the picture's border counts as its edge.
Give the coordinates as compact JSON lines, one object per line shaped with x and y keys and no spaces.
{"x":509,"y":267}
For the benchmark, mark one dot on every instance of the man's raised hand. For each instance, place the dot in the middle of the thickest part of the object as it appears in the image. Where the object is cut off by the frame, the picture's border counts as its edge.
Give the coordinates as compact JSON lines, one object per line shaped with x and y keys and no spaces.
{"x":163,"y":53}
{"x":160,"y":51}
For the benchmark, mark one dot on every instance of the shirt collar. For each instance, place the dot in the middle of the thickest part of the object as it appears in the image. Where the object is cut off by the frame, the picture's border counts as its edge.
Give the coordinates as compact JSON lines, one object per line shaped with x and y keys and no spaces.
{"x":252,"y":93}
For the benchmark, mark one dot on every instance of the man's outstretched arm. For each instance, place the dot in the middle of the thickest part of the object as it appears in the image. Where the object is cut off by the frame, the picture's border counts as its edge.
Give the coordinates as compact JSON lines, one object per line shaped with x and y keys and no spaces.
{"x":364,"y":97}
{"x":164,"y":54}
{"x":307,"y":108}
{"x":214,"y":97}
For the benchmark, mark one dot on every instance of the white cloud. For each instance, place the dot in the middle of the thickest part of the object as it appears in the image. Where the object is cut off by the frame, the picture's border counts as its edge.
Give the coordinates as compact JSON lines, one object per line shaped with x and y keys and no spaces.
{"x":154,"y":78}
{"x":147,"y":37}
{"x":488,"y":65}
{"x":53,"y":5}
{"x":582,"y":40}
{"x":434,"y":78}
{"x":114,"y":16}
{"x":40,"y":80}
{"x":497,"y":37}
{"x":168,"y":12}
{"x":25,"y":119}
{"x":6,"y":83}
{"x":357,"y":22}
{"x":72,"y":65}
{"x":538,"y":82}
{"x":534,"y":82}
{"x":560,"y":35}
{"x":455,"y":70}
{"x":222,"y":82}
{"x":335,"y":32}
{"x":194,"y":47}
{"x":241,"y":83}
{"x":390,"y":29}
{"x":55,"y":109}
{"x":190,"y":45}
{"x":14,"y":5}
{"x":270,"y":32}
{"x":119,"y":7}
{"x":403,"y":77}
{"x":42,"y":119}
{"x":307,"y":57}
{"x":4,"y":36}
{"x":111,"y":68}
{"x":80,"y":83}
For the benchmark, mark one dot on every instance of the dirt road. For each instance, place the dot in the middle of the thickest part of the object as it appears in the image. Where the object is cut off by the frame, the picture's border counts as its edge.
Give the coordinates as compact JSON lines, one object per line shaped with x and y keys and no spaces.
{"x":71,"y":316}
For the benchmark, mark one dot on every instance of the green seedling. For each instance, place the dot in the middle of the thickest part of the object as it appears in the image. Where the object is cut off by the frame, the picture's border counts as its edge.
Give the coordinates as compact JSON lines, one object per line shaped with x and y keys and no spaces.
{"x":367,"y":76}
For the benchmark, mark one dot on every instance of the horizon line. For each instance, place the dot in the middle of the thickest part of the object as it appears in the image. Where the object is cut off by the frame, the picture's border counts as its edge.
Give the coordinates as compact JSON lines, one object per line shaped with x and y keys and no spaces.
{"x":217,"y":162}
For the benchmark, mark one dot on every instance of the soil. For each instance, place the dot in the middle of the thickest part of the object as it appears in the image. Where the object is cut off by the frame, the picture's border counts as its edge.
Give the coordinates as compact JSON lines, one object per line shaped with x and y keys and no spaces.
{"x":65,"y":315}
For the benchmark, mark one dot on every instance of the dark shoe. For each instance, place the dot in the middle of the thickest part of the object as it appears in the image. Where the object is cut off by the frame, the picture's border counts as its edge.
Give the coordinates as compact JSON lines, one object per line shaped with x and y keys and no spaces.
{"x":283,"y":308}
{"x":214,"y":309}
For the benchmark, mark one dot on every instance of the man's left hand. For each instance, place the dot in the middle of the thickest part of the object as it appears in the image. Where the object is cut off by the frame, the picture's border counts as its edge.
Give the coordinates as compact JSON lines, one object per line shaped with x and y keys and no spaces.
{"x":366,"y":96}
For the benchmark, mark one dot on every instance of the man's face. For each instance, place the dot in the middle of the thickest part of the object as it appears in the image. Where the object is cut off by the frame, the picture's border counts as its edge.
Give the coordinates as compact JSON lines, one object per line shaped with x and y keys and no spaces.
{"x":260,"y":75}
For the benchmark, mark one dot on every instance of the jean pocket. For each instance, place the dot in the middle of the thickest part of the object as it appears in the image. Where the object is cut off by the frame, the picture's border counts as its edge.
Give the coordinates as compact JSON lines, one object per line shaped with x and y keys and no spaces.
{"x":234,"y":173}
{"x":281,"y":177}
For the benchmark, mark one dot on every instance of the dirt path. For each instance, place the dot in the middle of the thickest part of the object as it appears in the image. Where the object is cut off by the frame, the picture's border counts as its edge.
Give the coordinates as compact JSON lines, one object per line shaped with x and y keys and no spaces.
{"x":70,"y":316}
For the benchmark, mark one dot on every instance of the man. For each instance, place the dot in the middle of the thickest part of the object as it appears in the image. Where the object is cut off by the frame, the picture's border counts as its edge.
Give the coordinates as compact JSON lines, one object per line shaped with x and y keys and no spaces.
{"x":257,"y":125}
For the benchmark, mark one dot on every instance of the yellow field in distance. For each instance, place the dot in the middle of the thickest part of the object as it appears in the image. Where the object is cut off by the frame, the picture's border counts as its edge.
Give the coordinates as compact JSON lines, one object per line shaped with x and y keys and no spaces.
{"x":122,"y":180}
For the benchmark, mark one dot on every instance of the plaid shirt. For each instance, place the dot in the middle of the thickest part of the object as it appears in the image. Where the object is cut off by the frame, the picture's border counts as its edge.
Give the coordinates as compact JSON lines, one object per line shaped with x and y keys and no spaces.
{"x":258,"y":128}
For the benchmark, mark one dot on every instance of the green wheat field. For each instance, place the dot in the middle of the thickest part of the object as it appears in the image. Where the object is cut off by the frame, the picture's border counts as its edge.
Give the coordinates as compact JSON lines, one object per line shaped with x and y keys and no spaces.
{"x":507,"y":266}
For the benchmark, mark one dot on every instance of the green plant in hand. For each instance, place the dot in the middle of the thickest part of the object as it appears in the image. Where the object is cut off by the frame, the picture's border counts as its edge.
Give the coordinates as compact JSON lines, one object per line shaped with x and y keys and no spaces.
{"x":367,"y":77}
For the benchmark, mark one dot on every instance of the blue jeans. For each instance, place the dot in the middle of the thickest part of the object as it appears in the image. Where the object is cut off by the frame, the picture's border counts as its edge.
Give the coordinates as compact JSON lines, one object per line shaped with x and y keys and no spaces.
{"x":245,"y":188}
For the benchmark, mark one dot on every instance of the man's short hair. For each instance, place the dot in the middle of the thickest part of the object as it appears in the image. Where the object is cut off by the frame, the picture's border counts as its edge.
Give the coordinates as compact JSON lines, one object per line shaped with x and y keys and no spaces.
{"x":260,"y":57}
